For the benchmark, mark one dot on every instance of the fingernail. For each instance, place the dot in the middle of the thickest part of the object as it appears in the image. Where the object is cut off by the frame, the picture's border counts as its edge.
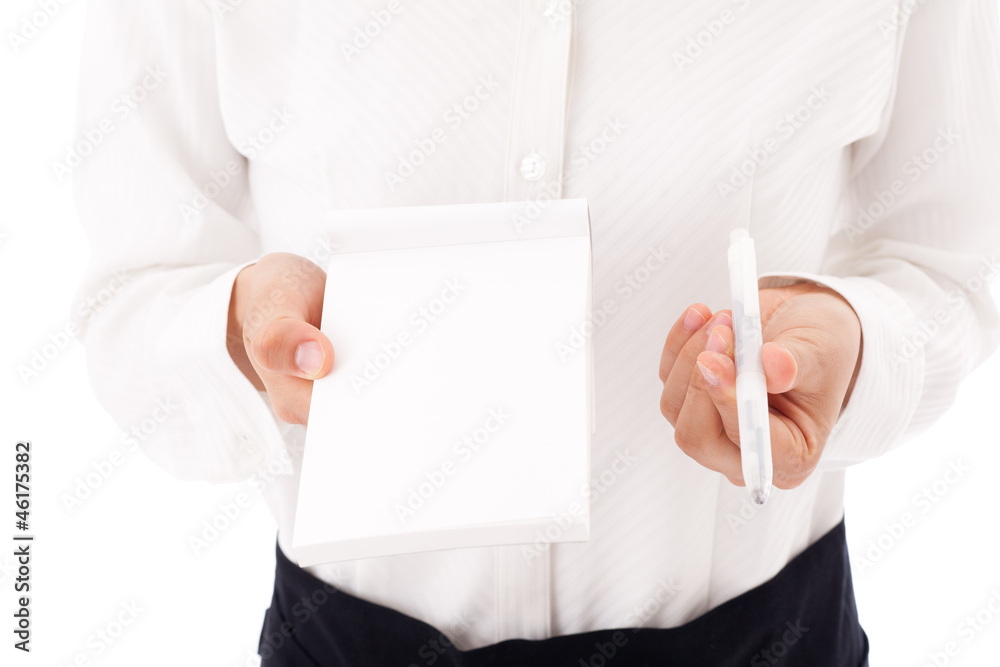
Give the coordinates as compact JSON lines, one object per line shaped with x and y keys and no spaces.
{"x":716,"y":343}
{"x":693,"y":320}
{"x":309,"y":357}
{"x":724,"y":318}
{"x":711,"y":378}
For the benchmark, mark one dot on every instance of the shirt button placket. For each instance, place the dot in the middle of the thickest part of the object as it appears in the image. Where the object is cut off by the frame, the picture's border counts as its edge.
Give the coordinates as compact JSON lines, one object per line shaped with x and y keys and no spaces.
{"x":535,"y":148}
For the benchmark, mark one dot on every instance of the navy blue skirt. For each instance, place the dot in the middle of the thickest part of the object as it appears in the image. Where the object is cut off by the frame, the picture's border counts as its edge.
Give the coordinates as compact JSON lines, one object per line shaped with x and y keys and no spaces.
{"x":805,"y":615}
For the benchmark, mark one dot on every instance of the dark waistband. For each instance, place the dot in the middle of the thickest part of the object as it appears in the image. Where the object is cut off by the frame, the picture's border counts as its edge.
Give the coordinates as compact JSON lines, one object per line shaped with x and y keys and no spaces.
{"x":805,"y":615}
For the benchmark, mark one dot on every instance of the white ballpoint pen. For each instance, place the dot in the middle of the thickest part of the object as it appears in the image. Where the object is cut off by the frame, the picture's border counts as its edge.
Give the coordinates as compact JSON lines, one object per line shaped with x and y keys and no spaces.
{"x":751,"y":385}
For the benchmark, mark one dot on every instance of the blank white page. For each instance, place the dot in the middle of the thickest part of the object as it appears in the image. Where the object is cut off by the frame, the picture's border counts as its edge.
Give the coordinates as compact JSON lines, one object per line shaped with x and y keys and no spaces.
{"x":450,"y":419}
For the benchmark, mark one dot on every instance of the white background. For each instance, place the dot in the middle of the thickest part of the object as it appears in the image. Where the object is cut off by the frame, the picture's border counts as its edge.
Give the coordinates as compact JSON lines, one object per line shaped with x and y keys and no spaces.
{"x":127,"y":544}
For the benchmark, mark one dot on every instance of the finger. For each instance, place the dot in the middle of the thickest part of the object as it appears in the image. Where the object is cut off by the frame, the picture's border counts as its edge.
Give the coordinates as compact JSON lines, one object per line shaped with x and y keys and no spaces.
{"x":781,"y":368}
{"x":701,"y":435}
{"x":721,"y":338}
{"x":791,"y":461}
{"x":290,"y":396}
{"x":719,"y":374}
{"x":689,"y":323}
{"x":292,"y":347}
{"x":676,"y":386}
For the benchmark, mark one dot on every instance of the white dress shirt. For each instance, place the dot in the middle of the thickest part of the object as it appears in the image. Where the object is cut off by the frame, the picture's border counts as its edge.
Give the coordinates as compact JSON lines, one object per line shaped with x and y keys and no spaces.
{"x":211,"y":133}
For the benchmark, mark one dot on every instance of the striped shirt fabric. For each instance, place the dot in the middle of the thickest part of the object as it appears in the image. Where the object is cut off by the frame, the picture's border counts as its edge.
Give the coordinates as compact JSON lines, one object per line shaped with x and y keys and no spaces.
{"x":865,"y":132}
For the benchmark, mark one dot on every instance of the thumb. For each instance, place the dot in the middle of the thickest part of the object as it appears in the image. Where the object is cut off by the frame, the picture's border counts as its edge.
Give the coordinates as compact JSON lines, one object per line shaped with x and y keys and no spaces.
{"x":782,"y":365}
{"x":290,"y":346}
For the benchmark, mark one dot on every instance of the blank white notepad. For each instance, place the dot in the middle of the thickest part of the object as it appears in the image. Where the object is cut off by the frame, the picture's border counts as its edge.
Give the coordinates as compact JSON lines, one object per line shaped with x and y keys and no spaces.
{"x":459,"y":409}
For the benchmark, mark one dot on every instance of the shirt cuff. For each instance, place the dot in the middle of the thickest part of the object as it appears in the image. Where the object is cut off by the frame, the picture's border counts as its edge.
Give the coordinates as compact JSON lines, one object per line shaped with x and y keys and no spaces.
{"x":230,"y":430}
{"x":888,"y":386}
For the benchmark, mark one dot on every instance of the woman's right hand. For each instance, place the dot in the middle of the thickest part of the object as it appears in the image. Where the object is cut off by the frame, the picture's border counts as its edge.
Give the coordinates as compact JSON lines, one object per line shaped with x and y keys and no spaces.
{"x":273,"y":335}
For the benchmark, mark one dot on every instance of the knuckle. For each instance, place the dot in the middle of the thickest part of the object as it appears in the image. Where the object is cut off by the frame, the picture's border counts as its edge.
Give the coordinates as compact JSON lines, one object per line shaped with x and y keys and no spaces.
{"x":266,"y":346}
{"x":687,"y":441}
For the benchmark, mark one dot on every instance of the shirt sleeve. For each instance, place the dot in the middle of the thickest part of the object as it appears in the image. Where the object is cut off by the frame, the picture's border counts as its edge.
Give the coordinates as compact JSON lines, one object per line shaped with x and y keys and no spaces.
{"x":164,"y":202}
{"x":919,"y":245}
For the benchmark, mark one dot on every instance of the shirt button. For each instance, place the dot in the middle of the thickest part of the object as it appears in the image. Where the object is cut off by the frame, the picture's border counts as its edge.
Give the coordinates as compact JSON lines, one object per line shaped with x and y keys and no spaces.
{"x":533,"y":167}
